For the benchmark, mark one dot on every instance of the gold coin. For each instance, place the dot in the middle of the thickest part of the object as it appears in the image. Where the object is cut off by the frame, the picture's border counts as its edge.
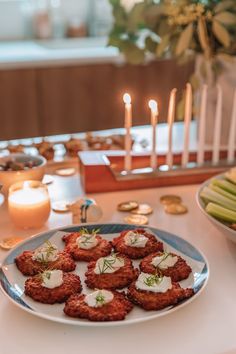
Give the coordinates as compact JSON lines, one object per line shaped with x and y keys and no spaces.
{"x":127,"y":206}
{"x":136,"y":219}
{"x":10,"y":242}
{"x":62,"y":206}
{"x":65,"y":172}
{"x":170,"y":199}
{"x":176,"y":209}
{"x":143,"y":209}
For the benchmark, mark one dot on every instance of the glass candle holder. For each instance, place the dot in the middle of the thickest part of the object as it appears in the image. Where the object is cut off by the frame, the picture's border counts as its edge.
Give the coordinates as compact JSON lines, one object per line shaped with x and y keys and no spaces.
{"x":29,"y":204}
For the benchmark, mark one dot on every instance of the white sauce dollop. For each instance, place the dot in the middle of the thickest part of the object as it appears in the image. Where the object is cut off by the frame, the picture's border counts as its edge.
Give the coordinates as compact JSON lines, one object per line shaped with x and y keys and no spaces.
{"x":98,"y":298}
{"x":134,"y":239}
{"x":150,"y":282}
{"x":109,"y":264}
{"x":87,"y":241}
{"x":52,"y":278}
{"x":47,"y":253}
{"x":164,"y":261}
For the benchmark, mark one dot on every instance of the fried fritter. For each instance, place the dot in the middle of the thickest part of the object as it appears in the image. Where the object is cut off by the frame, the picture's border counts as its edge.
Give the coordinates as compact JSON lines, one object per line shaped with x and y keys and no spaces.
{"x":149,"y":300}
{"x":28,"y":266}
{"x":117,"y":280}
{"x":34,"y":288}
{"x":152,"y":245}
{"x":102,"y":249}
{"x":116,"y":310}
{"x":179,"y":271}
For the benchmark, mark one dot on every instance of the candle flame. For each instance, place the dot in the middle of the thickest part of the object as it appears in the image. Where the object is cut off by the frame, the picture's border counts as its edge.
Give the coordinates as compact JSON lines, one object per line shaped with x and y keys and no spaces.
{"x":127,"y":98}
{"x":153,"y":106}
{"x":26,"y":184}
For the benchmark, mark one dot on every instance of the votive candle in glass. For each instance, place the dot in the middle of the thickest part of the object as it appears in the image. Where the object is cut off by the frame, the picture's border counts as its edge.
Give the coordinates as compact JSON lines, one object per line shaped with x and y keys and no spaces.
{"x":29,"y":204}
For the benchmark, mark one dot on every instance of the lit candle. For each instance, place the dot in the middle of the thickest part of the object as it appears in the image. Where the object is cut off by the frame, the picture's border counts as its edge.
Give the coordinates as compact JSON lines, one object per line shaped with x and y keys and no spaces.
{"x":202,"y":127}
{"x":217,"y":130}
{"x":187,"y":120}
{"x":154,"y":114}
{"x":128,"y":124}
{"x":28,"y":204}
{"x":170,"y":121}
{"x":232,"y":133}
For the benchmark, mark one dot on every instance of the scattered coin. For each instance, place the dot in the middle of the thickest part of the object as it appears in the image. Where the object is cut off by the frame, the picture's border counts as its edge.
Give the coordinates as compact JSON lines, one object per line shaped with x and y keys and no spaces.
{"x":170,"y":199}
{"x":136,"y":219}
{"x":48,"y":179}
{"x":65,"y":172}
{"x":176,"y":209}
{"x":127,"y":206}
{"x":10,"y":242}
{"x":62,"y":206}
{"x":143,"y":209}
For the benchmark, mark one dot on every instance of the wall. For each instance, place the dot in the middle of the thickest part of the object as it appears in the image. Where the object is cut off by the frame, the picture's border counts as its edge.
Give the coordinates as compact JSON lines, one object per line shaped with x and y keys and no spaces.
{"x":15,"y":15}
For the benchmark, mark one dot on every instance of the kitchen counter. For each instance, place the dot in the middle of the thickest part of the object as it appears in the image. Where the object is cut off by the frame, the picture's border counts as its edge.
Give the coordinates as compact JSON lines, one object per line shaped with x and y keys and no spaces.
{"x":60,"y":52}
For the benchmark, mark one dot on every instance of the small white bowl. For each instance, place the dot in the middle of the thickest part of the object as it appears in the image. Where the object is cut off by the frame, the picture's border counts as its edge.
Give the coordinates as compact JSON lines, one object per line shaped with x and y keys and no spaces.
{"x":227,"y":231}
{"x":7,"y":178}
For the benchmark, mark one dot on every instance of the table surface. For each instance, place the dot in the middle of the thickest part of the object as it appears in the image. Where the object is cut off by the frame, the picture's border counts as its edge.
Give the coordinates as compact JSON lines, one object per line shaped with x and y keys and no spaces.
{"x":207,"y":325}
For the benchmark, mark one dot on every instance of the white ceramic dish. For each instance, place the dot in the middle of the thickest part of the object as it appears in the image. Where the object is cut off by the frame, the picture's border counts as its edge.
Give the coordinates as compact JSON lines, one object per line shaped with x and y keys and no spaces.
{"x":12,"y":281}
{"x":226,"y":230}
{"x":7,"y":178}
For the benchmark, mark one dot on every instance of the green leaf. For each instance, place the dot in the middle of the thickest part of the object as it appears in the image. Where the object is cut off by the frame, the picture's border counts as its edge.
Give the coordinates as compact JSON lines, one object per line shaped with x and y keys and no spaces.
{"x":224,"y":5}
{"x":203,"y":36}
{"x":184,"y":40}
{"x":160,"y":49}
{"x":226,"y":18}
{"x":150,"y":44}
{"x":134,"y":55}
{"x":221,"y":33}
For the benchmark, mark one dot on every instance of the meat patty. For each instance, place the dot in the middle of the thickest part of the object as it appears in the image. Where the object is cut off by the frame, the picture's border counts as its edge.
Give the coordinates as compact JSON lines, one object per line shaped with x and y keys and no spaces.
{"x":149,"y":300}
{"x":34,"y":288}
{"x":102,"y":249}
{"x":28,"y":266}
{"x":152,"y":245}
{"x":117,"y":280}
{"x":115,"y":310}
{"x":178,"y":272}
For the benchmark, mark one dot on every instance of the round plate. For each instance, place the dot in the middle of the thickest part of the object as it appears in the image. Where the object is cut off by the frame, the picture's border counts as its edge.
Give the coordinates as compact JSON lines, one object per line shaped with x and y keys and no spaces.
{"x":12,"y":281}
{"x":221,"y":226}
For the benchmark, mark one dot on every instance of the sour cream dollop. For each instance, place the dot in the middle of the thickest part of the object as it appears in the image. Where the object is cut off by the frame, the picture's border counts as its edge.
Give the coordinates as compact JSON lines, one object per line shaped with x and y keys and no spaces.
{"x":164,"y":261}
{"x":52,"y":278}
{"x":150,"y":282}
{"x":87,"y":241}
{"x":135,"y":239}
{"x":47,"y":253}
{"x":99,"y":298}
{"x":109,"y":264}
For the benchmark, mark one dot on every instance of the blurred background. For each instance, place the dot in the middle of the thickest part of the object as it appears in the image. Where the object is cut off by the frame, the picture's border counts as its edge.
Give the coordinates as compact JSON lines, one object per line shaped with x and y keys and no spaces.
{"x":57,"y":74}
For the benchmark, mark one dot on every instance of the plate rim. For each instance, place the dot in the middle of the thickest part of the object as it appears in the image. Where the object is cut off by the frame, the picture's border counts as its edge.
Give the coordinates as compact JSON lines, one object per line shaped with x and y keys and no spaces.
{"x":88,"y":323}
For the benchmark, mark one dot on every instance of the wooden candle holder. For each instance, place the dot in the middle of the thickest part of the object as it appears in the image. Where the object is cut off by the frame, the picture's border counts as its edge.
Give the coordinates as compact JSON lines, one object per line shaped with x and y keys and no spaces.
{"x":102,"y":171}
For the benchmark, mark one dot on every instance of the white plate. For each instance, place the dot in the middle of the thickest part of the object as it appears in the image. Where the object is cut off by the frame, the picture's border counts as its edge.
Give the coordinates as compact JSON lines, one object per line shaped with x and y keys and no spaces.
{"x":12,"y":281}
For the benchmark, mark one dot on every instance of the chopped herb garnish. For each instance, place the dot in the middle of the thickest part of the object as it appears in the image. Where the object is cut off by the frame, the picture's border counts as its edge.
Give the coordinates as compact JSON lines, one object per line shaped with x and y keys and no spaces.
{"x":100,"y":299}
{"x":165,"y":256}
{"x":153,"y":280}
{"x":108,"y":263}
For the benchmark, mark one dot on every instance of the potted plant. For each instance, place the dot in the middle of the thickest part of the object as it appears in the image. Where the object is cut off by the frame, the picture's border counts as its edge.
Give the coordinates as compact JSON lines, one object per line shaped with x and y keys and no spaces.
{"x":204,"y":30}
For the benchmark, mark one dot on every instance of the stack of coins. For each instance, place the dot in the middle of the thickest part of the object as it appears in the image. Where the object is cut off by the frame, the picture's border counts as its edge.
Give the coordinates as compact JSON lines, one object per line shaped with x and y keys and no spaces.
{"x":173,"y":204}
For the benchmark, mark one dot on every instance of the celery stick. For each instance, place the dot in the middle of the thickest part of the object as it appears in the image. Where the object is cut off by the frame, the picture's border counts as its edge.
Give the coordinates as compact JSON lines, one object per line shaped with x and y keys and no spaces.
{"x":221,"y":213}
{"x":212,"y":196}
{"x":223,"y":192}
{"x":229,"y":187}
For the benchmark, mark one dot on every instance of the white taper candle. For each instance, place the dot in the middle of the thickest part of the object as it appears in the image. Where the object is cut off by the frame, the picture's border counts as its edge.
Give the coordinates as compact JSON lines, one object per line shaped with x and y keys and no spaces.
{"x":170,"y":121}
{"x":187,"y":120}
{"x":217,"y":130}
{"x":202,"y":126}
{"x":128,"y":124}
{"x":232,"y":132}
{"x":154,"y":114}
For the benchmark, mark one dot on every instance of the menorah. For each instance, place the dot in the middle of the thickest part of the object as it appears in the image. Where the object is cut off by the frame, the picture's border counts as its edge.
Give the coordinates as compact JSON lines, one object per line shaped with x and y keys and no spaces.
{"x":107,"y":171}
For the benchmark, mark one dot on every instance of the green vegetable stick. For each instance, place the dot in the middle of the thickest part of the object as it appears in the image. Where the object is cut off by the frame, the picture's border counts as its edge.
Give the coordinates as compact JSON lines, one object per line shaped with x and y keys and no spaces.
{"x":221,"y":213}
{"x":212,"y":196}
